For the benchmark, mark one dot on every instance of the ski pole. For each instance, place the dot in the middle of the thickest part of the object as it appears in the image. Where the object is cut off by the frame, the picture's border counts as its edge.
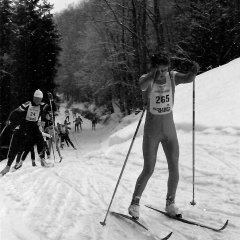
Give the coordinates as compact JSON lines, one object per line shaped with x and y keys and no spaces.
{"x":193,"y":130}
{"x":10,"y":145}
{"x":125,"y":162}
{"x":52,"y":150}
{"x":50,"y":97}
{"x":75,"y":139}
{"x":7,"y":122}
{"x":3,"y":129}
{"x":193,"y":145}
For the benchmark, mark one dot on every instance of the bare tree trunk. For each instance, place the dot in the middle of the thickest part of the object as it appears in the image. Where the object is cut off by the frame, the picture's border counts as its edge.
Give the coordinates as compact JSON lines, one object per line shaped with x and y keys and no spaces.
{"x":158,"y":25}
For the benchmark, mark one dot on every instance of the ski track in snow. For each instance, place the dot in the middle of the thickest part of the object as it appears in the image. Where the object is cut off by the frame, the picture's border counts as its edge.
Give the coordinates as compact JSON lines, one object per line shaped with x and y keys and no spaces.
{"x":68,"y":201}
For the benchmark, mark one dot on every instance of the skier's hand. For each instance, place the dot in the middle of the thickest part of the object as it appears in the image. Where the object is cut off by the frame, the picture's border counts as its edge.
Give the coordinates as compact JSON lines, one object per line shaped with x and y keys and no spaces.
{"x":156,"y":74}
{"x":50,"y":96}
{"x":195,"y":67}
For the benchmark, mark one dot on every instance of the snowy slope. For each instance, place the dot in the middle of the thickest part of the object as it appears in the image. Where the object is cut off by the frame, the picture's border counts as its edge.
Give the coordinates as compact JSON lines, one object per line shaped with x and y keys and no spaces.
{"x":67,"y":202}
{"x":217,"y":97}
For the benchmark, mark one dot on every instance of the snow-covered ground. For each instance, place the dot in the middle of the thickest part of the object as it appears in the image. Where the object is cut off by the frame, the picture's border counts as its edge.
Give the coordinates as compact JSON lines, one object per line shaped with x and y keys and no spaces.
{"x":68,"y":201}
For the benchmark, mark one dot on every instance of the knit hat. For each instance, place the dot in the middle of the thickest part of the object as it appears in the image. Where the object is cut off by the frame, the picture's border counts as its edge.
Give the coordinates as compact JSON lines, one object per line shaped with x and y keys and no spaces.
{"x":38,"y":94}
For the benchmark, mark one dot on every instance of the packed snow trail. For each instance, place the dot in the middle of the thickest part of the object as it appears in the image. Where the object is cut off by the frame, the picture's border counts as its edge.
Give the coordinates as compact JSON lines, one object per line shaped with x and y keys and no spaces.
{"x":67,"y":202}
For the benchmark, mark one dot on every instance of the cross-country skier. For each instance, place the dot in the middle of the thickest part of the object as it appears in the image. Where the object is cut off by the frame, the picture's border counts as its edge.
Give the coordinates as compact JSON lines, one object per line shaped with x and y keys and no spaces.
{"x":94,"y":122}
{"x":78,"y":122}
{"x":158,"y":88}
{"x":65,"y":135}
{"x":28,"y":133}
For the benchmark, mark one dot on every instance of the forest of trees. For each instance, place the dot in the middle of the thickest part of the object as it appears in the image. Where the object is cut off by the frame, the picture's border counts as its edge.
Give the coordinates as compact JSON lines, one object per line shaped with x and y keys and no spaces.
{"x":95,"y":51}
{"x":29,"y":50}
{"x":107,"y":44}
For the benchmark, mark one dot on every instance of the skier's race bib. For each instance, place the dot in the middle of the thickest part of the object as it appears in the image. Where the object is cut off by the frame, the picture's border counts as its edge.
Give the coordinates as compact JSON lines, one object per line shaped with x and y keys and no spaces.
{"x":33,"y":113}
{"x":161,"y":98}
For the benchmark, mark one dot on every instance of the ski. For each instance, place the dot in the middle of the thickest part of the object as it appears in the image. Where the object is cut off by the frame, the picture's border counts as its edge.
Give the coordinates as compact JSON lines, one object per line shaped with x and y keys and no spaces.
{"x":120,"y":215}
{"x":189,"y":221}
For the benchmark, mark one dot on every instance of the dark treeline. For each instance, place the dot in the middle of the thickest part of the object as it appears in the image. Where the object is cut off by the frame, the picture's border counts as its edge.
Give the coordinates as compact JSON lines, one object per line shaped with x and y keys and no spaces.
{"x":29,"y":47}
{"x":106,"y":44}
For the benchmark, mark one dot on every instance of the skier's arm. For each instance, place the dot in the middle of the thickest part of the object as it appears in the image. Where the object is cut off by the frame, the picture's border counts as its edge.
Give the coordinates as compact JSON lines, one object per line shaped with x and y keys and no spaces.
{"x":21,"y":108}
{"x":46,"y":135}
{"x":145,"y":79}
{"x":47,"y":107}
{"x":181,"y":78}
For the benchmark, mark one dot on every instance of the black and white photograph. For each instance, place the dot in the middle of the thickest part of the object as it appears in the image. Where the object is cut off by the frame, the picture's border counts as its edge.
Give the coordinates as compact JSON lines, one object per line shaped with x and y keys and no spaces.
{"x":119,"y":120}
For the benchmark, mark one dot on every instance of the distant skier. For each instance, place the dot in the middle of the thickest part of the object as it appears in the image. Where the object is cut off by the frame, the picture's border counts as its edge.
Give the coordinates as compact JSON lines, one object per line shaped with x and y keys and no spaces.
{"x":67,"y":114}
{"x":158,"y":88}
{"x":65,"y":135}
{"x":94,"y":122}
{"x":28,"y":133}
{"x":78,"y":123}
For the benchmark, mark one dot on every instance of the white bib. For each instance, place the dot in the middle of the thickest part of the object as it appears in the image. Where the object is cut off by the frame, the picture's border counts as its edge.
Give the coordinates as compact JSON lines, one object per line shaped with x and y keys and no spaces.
{"x":33,"y":113}
{"x":161,"y":98}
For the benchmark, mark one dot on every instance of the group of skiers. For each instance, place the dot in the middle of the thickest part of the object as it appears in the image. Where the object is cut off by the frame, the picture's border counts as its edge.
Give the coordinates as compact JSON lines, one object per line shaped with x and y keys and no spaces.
{"x":32,"y":123}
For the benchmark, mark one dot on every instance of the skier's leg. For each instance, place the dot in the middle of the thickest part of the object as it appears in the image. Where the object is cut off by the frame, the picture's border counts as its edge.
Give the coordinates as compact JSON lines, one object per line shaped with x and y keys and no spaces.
{"x":33,"y":156}
{"x":32,"y":153}
{"x":150,"y":147}
{"x":24,"y":155}
{"x":171,"y":150}
{"x":41,"y":147}
{"x":58,"y":149}
{"x":47,"y":150}
{"x":19,"y":155}
{"x":69,"y":140}
{"x":66,"y":139}
{"x":14,"y":148}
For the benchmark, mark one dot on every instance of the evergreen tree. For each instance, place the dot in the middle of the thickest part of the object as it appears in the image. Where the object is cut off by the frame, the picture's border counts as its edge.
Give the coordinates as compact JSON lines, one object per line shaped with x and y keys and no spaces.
{"x":29,"y":51}
{"x":36,"y":47}
{"x":6,"y":35}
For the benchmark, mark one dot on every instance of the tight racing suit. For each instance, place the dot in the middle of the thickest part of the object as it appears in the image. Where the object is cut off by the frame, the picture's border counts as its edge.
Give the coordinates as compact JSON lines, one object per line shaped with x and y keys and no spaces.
{"x":159,"y":128}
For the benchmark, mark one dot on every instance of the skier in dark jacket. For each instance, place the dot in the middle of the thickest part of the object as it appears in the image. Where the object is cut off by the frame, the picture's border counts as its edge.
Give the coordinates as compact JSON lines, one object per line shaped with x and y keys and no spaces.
{"x":28,"y":134}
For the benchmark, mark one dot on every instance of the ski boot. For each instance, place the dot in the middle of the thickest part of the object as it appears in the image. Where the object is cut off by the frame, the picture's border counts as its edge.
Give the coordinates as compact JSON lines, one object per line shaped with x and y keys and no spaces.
{"x":18,"y":165}
{"x":45,"y":164}
{"x":34,"y":163}
{"x":133,"y":210}
{"x":171,"y":208}
{"x":5,"y":170}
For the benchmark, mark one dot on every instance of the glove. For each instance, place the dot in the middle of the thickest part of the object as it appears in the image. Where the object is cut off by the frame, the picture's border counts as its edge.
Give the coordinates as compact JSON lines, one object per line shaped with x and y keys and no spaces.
{"x":50,"y":96}
{"x":195,"y":67}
